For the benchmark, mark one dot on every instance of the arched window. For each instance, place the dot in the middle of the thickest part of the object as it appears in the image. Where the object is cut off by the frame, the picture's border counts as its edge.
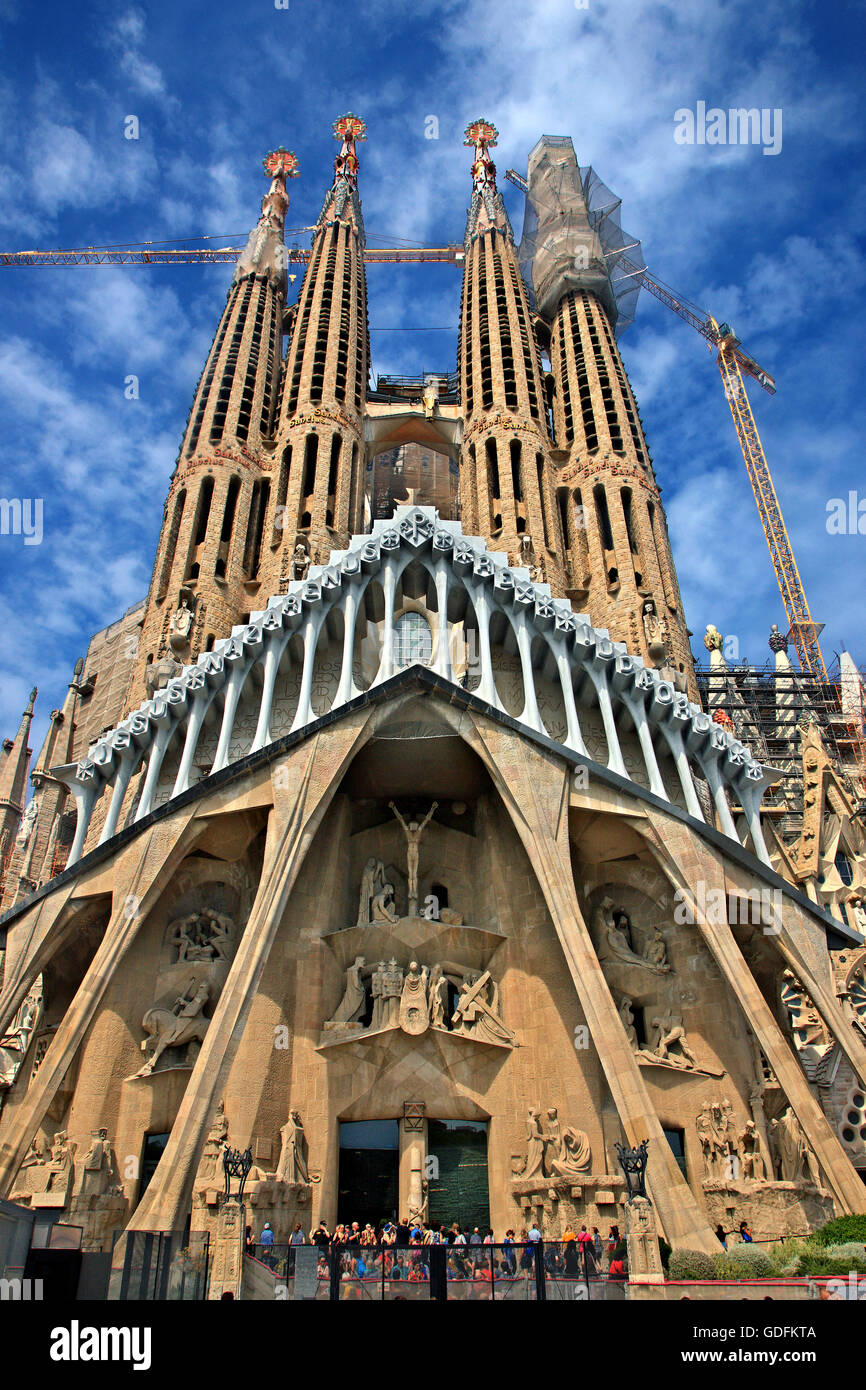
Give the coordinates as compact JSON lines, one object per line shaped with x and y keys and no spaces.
{"x":413,"y":640}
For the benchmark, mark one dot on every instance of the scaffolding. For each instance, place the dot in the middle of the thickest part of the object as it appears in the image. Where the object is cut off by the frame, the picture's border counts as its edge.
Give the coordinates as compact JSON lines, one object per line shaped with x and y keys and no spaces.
{"x":766,"y":707}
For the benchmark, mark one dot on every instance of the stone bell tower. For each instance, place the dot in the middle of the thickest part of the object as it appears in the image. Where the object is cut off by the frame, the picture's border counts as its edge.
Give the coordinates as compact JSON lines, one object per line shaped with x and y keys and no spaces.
{"x":318,"y":485}
{"x":506,"y":491}
{"x":618,"y":554}
{"x":208,"y":570}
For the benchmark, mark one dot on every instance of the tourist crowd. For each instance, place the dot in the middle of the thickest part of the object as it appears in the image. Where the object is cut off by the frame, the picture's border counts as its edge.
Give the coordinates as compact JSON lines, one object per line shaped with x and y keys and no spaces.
{"x":397,"y":1250}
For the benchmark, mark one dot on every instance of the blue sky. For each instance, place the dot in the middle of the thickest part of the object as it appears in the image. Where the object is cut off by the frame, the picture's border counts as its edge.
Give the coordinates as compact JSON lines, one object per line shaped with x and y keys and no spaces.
{"x":771,"y":243}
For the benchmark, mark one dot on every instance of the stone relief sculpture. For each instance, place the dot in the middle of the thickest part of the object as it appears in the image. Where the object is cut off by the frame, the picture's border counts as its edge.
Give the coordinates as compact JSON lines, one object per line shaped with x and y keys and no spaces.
{"x":615,"y":930}
{"x":551,"y":1151}
{"x":413,"y":832}
{"x":477,"y":1012}
{"x":293,"y":1165}
{"x":28,"y":823}
{"x":418,"y":999}
{"x":181,"y":1025}
{"x":180,"y":624}
{"x":99,"y":1176}
{"x":354,"y":999}
{"x":672,"y":1034}
{"x":300,"y":561}
{"x":655,"y":632}
{"x":414,"y":1006}
{"x":372,"y":883}
{"x":14,"y":1044}
{"x":203,"y":936}
{"x":46,"y":1180}
{"x":751,"y":1156}
{"x":384,"y":909}
{"x":210,"y":1169}
{"x":794,"y":1159}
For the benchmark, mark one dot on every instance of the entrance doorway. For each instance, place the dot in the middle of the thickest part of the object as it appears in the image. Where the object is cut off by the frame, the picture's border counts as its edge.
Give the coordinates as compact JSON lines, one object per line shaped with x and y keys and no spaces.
{"x":459,"y":1192}
{"x":368,"y":1184}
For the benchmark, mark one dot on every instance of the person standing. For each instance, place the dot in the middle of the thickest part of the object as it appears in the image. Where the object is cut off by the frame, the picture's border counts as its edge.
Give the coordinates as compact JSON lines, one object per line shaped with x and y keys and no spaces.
{"x":721,"y":1236}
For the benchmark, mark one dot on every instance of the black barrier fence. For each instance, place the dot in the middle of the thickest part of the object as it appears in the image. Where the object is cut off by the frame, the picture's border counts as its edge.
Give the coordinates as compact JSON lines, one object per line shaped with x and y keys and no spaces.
{"x":557,"y":1270}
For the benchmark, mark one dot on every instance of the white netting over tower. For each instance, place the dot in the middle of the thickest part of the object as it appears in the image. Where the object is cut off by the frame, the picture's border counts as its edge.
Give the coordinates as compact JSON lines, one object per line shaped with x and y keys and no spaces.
{"x":572,"y":238}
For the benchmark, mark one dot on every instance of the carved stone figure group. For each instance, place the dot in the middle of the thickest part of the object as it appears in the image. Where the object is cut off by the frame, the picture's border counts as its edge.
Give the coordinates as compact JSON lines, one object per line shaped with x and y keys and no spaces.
{"x":203,"y":936}
{"x":446,"y":997}
{"x":670,"y":1045}
{"x":551,"y":1151}
{"x":615,"y":932}
{"x":729,"y":1155}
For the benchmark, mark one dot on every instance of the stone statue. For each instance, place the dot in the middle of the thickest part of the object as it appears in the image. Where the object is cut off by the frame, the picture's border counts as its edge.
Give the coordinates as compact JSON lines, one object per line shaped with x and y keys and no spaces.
{"x":793,"y":1156}
{"x":575,"y":1154}
{"x":672,"y":1034}
{"x":300,"y":561}
{"x":383,"y":909}
{"x":475,"y":1017}
{"x":14,"y":1044}
{"x":414,"y":1006}
{"x":180,"y":626}
{"x":372,"y":883}
{"x":534,"y":1146}
{"x":615,"y":928}
{"x":377,"y":985}
{"x":654,"y":632}
{"x":413,"y":832}
{"x":713,"y":639}
{"x":210,"y":1169}
{"x":655,"y":954}
{"x":99,"y":1170}
{"x":750,"y":1147}
{"x":48,"y":1181}
{"x":293,"y":1164}
{"x":183,"y":1023}
{"x":627,"y":1016}
{"x":354,"y":999}
{"x":417,"y":1194}
{"x":438,"y":997}
{"x":28,"y":822}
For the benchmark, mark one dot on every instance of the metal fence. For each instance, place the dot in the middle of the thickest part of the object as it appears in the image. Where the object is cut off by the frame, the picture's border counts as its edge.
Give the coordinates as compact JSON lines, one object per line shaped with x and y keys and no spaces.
{"x":155,"y":1265}
{"x":556,"y":1270}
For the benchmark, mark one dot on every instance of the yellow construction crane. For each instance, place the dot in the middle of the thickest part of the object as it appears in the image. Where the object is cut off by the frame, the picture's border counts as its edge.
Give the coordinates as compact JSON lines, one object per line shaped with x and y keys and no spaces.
{"x":731,"y":360}
{"x":733,"y":363}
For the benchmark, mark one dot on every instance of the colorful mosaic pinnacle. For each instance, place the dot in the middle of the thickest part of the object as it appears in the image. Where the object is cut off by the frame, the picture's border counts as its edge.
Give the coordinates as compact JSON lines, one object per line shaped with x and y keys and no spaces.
{"x":281,"y":164}
{"x":349,"y":128}
{"x":480,"y":133}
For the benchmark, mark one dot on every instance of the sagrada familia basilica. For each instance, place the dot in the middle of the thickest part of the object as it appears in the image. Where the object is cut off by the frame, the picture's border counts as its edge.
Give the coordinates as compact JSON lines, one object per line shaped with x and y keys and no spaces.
{"x":395,"y":823}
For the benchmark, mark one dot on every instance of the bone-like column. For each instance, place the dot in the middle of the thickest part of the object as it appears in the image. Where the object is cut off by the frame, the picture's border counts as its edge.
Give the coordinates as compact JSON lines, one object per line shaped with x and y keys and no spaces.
{"x":129,"y":759}
{"x":303,"y":791}
{"x":442,"y":657}
{"x":532,"y":790}
{"x":389,"y":589}
{"x":310,"y":637}
{"x":137,"y":871}
{"x":846,"y":1186}
{"x":275,"y":645}
{"x":239,"y":672}
{"x":574,"y":737}
{"x":529,"y":715}
{"x":160,"y":743}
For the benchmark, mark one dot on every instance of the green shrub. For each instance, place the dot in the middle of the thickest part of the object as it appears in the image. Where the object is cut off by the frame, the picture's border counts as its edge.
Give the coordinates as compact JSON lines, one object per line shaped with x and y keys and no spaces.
{"x":818,"y":1263}
{"x":744,"y":1262}
{"x":691,"y":1264}
{"x":842,"y":1230}
{"x":785,"y":1255}
{"x":849,"y":1250}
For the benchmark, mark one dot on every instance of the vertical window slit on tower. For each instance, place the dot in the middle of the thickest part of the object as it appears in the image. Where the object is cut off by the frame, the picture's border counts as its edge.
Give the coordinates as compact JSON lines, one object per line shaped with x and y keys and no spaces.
{"x":562,"y":500}
{"x":464,"y":337}
{"x":516,"y":480}
{"x":493,"y":484}
{"x":274,"y":335}
{"x":602,"y":516}
{"x":531,"y":364}
{"x":626,"y":498}
{"x":484,"y":329}
{"x":333,"y":475}
{"x":362,"y":332}
{"x":582,"y":376}
{"x":280,"y":496}
{"x":614,"y":429}
{"x":208,"y":375}
{"x":509,"y":379}
{"x":199,"y":526}
{"x":308,"y":481}
{"x":230,"y":364}
{"x":323,"y":327}
{"x":227,"y":527}
{"x":564,"y":377}
{"x":299,"y":337}
{"x":248,"y":392}
{"x":256,"y":526}
{"x":171,"y":543}
{"x":539,"y":468}
{"x":625,"y":390}
{"x":345,"y":319}
{"x":354,"y":524}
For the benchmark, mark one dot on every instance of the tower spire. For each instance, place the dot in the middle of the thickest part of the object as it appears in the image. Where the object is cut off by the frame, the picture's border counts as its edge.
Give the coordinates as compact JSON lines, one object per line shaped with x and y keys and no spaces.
{"x":487,"y":208}
{"x":343,"y":192}
{"x":264,"y":253}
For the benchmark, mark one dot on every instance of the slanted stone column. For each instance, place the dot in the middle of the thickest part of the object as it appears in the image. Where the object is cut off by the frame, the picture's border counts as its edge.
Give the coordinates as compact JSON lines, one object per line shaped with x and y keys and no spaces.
{"x":534,"y":787}
{"x":703,"y":865}
{"x":303,"y":784}
{"x":138,"y":875}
